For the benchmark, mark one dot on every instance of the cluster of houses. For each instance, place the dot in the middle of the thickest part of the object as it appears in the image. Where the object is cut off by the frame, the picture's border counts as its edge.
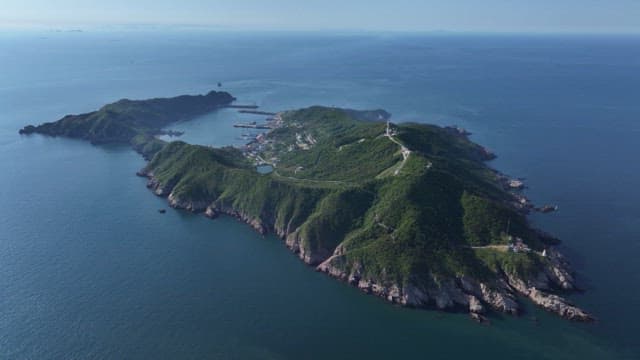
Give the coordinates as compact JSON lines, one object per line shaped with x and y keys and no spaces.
{"x":305,"y":141}
{"x":517,"y":245}
{"x":262,"y":142}
{"x":253,"y":150}
{"x":259,"y":144}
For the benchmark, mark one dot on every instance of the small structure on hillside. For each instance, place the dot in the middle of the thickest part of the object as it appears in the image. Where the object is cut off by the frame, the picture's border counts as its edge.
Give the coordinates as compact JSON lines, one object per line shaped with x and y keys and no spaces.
{"x":390,"y":131}
{"x":517,"y":245}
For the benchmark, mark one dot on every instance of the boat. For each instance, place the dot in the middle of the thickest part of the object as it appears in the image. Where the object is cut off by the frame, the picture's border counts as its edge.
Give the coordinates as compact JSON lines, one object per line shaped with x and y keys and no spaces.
{"x":548,"y":208}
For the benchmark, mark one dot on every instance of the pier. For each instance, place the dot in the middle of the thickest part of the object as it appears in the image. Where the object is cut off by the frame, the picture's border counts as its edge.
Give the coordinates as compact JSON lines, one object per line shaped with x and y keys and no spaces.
{"x":257,"y":112}
{"x":242,"y":106}
{"x":252,"y":126}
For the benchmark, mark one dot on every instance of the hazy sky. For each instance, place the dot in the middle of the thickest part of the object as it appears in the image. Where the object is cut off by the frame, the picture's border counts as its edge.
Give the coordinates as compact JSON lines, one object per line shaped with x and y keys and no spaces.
{"x":410,"y":15}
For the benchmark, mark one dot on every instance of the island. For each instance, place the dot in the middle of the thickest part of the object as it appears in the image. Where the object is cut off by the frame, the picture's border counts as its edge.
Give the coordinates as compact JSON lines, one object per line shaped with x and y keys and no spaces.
{"x":135,"y":122}
{"x":408,"y":212}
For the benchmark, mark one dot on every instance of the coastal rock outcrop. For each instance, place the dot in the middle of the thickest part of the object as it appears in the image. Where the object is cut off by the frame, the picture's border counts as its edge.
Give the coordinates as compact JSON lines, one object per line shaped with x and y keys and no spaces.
{"x":558,"y":305}
{"x":465,"y":293}
{"x":154,"y":185}
{"x":550,"y":302}
{"x":190,"y":205}
{"x":255,"y":223}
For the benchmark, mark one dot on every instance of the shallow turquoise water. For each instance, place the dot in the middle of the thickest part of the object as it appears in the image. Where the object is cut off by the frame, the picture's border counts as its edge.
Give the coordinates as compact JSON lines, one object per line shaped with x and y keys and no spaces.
{"x":90,"y":269}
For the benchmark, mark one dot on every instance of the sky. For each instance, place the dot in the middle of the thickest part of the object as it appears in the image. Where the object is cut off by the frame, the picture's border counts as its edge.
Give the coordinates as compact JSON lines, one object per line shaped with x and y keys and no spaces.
{"x":593,"y":16}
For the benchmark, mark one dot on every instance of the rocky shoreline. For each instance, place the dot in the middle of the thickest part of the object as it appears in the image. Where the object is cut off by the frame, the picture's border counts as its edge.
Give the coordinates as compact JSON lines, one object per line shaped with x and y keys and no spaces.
{"x":450,"y":294}
{"x":466,"y":293}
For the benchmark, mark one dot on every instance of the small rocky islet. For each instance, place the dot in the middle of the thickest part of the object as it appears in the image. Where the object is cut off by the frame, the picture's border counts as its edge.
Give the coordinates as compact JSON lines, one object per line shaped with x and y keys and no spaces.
{"x":408,"y":212}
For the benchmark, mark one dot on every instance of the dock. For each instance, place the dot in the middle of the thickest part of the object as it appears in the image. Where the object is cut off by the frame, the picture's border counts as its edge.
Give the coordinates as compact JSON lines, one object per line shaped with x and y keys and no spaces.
{"x":252,"y":126}
{"x":242,"y":106}
{"x":257,"y":112}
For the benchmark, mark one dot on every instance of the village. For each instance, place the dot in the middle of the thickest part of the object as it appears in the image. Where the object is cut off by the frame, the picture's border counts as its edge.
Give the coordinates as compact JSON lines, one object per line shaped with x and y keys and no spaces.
{"x":257,"y":144}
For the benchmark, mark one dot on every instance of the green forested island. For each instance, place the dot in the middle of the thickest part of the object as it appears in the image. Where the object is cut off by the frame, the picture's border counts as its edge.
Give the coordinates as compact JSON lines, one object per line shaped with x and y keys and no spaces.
{"x":408,"y":212}
{"x":133,"y":121}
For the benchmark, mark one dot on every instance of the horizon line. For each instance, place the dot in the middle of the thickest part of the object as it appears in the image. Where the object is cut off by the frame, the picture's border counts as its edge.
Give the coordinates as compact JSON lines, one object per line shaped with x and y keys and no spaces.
{"x":66,"y":27}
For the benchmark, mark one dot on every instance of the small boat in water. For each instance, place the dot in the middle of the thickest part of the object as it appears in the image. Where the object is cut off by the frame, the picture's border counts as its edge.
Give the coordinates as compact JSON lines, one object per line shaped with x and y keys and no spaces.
{"x":548,"y":208}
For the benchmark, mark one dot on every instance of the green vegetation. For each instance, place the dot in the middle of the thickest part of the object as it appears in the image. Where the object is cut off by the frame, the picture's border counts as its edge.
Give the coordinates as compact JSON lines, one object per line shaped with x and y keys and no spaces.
{"x":336,"y":184}
{"x":345,"y":149}
{"x":522,"y":265}
{"x":147,"y":145}
{"x":336,"y":215}
{"x":404,"y":211}
{"x":132,"y":121}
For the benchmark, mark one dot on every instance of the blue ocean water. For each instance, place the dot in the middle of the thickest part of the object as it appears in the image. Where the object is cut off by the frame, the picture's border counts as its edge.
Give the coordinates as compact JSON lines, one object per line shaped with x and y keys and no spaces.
{"x":89,"y":269}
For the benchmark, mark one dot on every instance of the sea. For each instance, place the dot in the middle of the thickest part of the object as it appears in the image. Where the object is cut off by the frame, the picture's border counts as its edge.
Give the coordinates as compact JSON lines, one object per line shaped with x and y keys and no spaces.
{"x":89,"y":269}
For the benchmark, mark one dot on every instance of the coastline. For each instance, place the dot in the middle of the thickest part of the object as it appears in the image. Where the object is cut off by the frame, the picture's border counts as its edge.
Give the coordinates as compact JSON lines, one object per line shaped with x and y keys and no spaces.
{"x":221,"y":181}
{"x":462,"y":293}
{"x":459,"y":294}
